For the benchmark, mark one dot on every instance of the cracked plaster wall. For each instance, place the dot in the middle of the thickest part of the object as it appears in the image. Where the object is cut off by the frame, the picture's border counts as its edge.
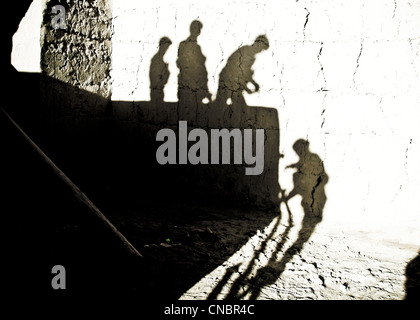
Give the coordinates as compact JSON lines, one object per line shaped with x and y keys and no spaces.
{"x":342,"y":74}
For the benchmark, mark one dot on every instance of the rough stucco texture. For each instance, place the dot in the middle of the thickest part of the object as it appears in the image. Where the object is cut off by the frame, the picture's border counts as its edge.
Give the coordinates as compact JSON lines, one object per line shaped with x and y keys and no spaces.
{"x":79,"y":55}
{"x":342,"y":75}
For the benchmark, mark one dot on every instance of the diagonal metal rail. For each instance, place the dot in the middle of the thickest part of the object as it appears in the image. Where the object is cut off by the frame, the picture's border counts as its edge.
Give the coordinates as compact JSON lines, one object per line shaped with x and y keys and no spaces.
{"x":78,"y":194}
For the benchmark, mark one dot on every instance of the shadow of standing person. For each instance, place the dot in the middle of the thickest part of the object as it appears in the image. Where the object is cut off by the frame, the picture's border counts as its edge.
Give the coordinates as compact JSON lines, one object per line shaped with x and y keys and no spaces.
{"x":159,"y":72}
{"x":193,"y":77}
{"x":237,"y":76}
{"x":309,"y":182}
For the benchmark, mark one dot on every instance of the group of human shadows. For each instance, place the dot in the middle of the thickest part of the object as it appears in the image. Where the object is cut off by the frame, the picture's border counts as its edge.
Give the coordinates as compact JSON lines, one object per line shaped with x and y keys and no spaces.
{"x":237,"y":76}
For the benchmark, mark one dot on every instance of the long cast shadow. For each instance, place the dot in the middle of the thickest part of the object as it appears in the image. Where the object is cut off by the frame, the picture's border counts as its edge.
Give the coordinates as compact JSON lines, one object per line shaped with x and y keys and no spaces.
{"x":111,"y":158}
{"x":108,"y":149}
{"x":309,"y":182}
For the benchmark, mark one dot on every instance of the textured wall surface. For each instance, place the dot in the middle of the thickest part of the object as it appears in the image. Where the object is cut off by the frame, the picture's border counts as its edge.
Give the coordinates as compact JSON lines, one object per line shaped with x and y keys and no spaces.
{"x":342,"y":75}
{"x":339,"y":103}
{"x":79,"y":56}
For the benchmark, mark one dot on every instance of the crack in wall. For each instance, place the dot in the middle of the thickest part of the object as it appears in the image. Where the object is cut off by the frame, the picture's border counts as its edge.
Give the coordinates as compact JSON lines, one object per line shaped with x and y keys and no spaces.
{"x":306,"y":22}
{"x":406,"y":157}
{"x":318,"y":182}
{"x":357,"y":64}
{"x":407,"y":149}
{"x":395,"y":9}
{"x":323,"y":110}
{"x":384,"y":115}
{"x":322,"y":67}
{"x":281,"y":85}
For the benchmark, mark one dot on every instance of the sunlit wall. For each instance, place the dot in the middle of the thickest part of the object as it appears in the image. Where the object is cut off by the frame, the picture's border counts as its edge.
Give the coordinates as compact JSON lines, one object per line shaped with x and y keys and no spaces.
{"x":342,"y":74}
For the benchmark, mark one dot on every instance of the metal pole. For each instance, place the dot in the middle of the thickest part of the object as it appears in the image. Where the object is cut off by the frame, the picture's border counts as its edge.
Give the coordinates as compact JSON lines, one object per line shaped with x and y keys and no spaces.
{"x":78,"y":194}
